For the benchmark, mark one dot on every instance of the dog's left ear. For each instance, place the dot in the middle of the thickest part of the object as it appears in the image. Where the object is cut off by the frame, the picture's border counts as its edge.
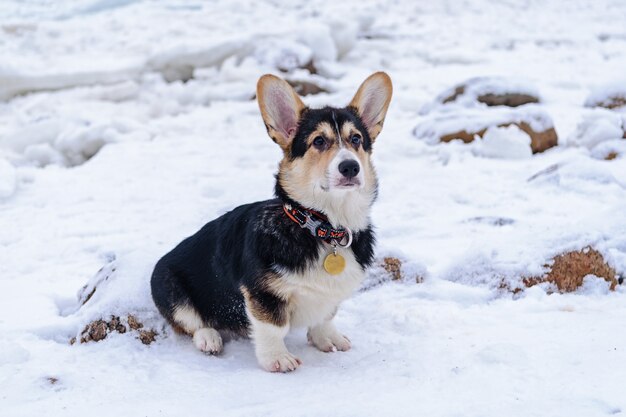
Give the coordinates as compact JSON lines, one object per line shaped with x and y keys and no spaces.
{"x":281,"y":108}
{"x":371,"y":102}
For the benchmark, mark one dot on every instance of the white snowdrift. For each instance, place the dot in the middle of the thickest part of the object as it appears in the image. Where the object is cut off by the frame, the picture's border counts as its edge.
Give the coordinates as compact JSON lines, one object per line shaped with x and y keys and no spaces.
{"x":13,"y":82}
{"x":165,"y":81}
{"x":179,"y":62}
{"x":287,"y":51}
{"x":598,"y":125}
{"x":67,"y":142}
{"x":603,"y":95}
{"x":8,"y":179}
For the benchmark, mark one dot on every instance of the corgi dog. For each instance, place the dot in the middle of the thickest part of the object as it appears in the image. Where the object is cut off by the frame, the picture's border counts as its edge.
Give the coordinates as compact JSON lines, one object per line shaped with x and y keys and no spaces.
{"x":266,"y":267}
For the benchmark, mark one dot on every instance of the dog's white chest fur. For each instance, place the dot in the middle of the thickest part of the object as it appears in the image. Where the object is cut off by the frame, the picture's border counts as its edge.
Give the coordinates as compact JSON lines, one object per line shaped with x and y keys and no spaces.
{"x":315,"y":294}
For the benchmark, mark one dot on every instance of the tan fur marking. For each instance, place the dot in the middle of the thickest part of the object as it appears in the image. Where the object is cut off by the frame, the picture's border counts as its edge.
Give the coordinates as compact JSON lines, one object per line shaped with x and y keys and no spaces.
{"x":278,"y":317}
{"x":322,"y":129}
{"x":303,"y":173}
{"x":187,"y":319}
{"x":347,"y":130}
{"x":177,"y":329}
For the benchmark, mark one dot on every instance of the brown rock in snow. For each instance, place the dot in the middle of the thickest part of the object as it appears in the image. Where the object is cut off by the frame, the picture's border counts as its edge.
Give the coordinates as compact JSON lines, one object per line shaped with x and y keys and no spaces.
{"x":492,"y":91}
{"x":570,"y":268}
{"x":539,"y":141}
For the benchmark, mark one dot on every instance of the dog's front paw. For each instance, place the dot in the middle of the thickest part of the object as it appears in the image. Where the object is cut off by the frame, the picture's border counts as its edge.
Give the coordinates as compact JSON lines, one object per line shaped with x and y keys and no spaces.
{"x":208,"y":341}
{"x":280,"y":362}
{"x":341,"y":342}
{"x":329,"y":341}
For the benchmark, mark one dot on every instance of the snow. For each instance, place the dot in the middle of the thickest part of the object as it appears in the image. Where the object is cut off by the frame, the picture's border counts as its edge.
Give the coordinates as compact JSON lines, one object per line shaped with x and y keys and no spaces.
{"x":607,"y":148}
{"x":8,"y":179}
{"x":286,"y":55}
{"x":505,"y":142}
{"x":594,"y":286}
{"x":127,"y":125}
{"x":603,"y":93}
{"x":597,"y":126}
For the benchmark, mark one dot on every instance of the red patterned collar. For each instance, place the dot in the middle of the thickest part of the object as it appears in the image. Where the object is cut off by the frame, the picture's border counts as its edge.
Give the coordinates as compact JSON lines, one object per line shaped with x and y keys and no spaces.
{"x":318,"y":225}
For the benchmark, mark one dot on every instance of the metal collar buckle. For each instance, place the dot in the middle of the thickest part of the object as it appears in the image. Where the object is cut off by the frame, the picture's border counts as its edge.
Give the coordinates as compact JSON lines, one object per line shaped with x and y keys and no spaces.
{"x":311,"y":224}
{"x":348,"y":239}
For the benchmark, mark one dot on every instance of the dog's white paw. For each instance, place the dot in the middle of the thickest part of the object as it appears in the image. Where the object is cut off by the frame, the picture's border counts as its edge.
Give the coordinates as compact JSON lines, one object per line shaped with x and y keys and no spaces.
{"x":208,"y":341}
{"x":341,"y":342}
{"x":281,"y":362}
{"x":329,"y":341}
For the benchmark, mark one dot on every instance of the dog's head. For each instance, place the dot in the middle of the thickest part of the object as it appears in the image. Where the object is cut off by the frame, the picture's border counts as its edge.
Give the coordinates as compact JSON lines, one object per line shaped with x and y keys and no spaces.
{"x":326,"y":164}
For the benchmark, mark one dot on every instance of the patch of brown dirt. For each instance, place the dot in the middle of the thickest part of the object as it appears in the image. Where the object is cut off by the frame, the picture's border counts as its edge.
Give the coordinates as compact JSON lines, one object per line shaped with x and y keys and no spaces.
{"x":393,"y":266}
{"x":147,"y":336}
{"x":94,"y":331}
{"x":133,"y":323}
{"x":99,"y":329}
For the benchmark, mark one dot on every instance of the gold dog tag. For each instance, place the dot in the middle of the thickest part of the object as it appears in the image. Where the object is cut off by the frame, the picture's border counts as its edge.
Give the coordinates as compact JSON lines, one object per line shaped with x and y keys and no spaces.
{"x":334,"y":264}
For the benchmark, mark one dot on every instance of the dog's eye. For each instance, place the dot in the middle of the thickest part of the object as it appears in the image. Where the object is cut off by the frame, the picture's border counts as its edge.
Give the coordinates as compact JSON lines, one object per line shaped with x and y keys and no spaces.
{"x":319,"y":142}
{"x":356,"y":140}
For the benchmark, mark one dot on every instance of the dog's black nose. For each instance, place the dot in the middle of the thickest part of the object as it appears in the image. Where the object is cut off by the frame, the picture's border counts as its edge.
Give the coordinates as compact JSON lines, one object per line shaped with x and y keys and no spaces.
{"x":349,"y":168}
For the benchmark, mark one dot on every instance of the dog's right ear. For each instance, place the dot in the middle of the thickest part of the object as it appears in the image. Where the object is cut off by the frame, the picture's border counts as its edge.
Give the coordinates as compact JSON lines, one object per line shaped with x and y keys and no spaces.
{"x":280,"y":107}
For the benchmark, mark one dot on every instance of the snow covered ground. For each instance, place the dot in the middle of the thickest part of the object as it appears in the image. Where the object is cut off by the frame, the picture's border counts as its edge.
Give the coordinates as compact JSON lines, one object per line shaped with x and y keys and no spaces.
{"x":126,"y":125}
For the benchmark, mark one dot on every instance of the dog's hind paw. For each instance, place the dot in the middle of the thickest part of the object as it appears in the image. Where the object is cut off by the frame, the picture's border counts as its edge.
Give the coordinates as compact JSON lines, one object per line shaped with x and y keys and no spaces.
{"x":208,"y":340}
